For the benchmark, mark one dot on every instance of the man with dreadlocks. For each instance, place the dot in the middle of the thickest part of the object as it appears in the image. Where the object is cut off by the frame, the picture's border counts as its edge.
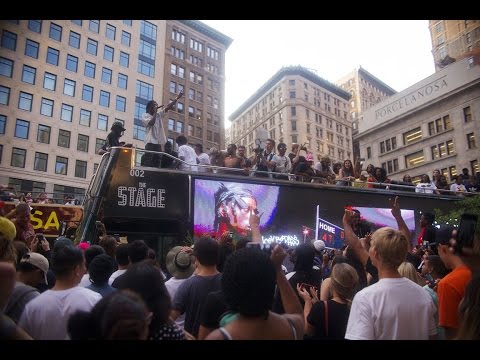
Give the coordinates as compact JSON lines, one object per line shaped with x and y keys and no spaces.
{"x":236,"y":212}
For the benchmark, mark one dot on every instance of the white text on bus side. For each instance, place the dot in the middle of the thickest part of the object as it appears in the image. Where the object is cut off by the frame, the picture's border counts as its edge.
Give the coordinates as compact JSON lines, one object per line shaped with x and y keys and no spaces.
{"x":141,"y":197}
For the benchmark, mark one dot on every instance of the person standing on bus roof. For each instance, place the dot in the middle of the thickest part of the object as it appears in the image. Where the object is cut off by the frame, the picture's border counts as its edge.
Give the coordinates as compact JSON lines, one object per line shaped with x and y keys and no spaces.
{"x":187,"y":154}
{"x":155,"y":132}
{"x":113,"y":138}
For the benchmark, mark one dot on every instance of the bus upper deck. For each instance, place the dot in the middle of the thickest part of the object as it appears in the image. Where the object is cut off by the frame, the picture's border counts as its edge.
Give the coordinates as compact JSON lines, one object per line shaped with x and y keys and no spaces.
{"x":168,"y":207}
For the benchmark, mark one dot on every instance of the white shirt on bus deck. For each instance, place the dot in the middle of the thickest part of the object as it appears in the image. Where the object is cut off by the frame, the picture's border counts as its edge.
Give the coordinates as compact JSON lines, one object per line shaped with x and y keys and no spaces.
{"x":154,"y":134}
{"x":203,"y":159}
{"x":189,"y":156}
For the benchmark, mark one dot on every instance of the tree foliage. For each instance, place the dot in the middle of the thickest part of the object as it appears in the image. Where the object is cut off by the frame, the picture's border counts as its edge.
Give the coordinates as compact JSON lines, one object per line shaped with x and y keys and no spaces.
{"x":469,"y":205}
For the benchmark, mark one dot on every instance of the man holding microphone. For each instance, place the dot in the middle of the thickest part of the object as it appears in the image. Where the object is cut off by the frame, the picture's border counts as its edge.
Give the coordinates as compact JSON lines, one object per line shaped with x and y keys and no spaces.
{"x":155,"y":133}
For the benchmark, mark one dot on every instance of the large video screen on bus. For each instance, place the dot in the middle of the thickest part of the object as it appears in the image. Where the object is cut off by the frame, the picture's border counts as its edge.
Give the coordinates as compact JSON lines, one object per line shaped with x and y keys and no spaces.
{"x":288,"y":214}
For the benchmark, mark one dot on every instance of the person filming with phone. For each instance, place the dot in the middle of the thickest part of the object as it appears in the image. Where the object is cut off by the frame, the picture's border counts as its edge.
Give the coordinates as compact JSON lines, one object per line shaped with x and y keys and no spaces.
{"x":155,"y":132}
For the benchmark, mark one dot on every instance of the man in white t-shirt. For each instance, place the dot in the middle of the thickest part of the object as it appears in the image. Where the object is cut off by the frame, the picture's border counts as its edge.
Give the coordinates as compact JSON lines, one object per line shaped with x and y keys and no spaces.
{"x":394,"y":308}
{"x":187,"y":154}
{"x":203,"y":159}
{"x":154,"y":131}
{"x":46,"y":316}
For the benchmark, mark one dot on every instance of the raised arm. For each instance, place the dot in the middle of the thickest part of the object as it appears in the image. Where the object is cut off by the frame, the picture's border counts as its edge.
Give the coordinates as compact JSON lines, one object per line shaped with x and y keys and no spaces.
{"x":352,"y":239}
{"x":172,"y":103}
{"x":290,"y":301}
{"x":402,"y":226}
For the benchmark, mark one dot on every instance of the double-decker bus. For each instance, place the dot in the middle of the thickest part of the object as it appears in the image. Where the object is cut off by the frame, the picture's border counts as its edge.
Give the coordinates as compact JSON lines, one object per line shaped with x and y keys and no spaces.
{"x":168,"y":207}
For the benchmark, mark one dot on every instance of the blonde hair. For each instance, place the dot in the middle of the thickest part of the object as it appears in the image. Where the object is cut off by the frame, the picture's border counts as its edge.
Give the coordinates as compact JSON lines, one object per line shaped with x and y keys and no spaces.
{"x":391,"y":246}
{"x":344,"y":281}
{"x":407,"y":270}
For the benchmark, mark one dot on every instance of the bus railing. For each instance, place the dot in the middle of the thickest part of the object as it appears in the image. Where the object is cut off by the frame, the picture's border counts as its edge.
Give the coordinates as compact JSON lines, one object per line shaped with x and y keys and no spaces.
{"x":355,"y":184}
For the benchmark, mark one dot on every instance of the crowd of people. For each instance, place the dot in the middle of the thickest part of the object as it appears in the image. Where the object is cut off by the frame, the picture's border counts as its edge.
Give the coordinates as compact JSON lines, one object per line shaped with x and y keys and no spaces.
{"x":273,"y":161}
{"x":379,"y":286}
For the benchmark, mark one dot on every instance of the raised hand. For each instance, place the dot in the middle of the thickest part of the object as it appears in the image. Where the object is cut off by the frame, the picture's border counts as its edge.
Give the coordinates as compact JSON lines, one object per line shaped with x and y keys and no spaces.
{"x":395,"y":205}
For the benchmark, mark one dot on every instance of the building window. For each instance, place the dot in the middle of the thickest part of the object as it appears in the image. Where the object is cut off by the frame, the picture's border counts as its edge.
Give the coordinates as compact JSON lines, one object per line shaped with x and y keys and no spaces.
{"x":9,"y":40}
{"x":69,"y":87}
{"x":414,"y":159}
{"x":61,"y":165}
{"x":31,"y":48}
{"x":3,"y":123}
{"x":99,"y":144}
{"x":77,"y":22}
{"x":450,"y":147}
{"x":126,"y":38}
{"x":110,"y":32}
{"x":85,"y":117}
{"x":4,"y":95}
{"x":92,"y":47}
{"x":369,"y":152}
{"x":18,"y":157}
{"x":41,"y":161}
{"x":67,"y":113}
{"x":294,"y":125}
{"x":292,"y":94}
{"x":467,"y":114}
{"x":144,"y":90}
{"x":80,"y":169}
{"x":108,"y":53}
{"x":104,"y":98}
{"x":106,"y":75}
{"x":6,"y":67}
{"x":412,"y":136}
{"x":127,"y":22}
{"x":82,"y":143}
{"x":74,"y":40}
{"x":25,"y":101}
{"x":147,"y":49}
{"x":138,"y":132}
{"x":35,"y":25}
{"x":72,"y":63}
{"x":63,"y":138}
{"x":293,"y":111}
{"x":87,"y":93}
{"x":474,"y":167}
{"x":190,"y":130}
{"x":55,"y":32}
{"x":94,"y":25}
{"x":50,"y":81}
{"x":179,"y":127}
{"x":178,"y":36}
{"x":124,"y":59}
{"x":121,"y":103}
{"x":171,"y":124}
{"x":53,"y":56}
{"x":89,"y":69}
{"x":43,"y":134}
{"x":471,"y":141}
{"x":22,"y":128}
{"x":145,"y":68}
{"x":28,"y":74}
{"x":122,"y":81}
{"x":102,"y":123}
{"x":46,"y":107}
{"x":148,"y":29}
{"x":452,"y":170}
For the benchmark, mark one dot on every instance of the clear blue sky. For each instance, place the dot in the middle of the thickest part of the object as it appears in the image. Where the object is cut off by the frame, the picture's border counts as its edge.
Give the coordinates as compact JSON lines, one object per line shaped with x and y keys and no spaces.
{"x":398,"y":52}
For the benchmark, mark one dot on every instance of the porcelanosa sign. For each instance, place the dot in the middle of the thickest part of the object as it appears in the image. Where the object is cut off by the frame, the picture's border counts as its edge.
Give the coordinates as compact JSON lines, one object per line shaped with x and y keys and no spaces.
{"x":412,"y":99}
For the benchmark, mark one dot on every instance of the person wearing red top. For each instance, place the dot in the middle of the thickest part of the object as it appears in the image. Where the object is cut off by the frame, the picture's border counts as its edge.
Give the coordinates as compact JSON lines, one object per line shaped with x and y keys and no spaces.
{"x":428,"y":230}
